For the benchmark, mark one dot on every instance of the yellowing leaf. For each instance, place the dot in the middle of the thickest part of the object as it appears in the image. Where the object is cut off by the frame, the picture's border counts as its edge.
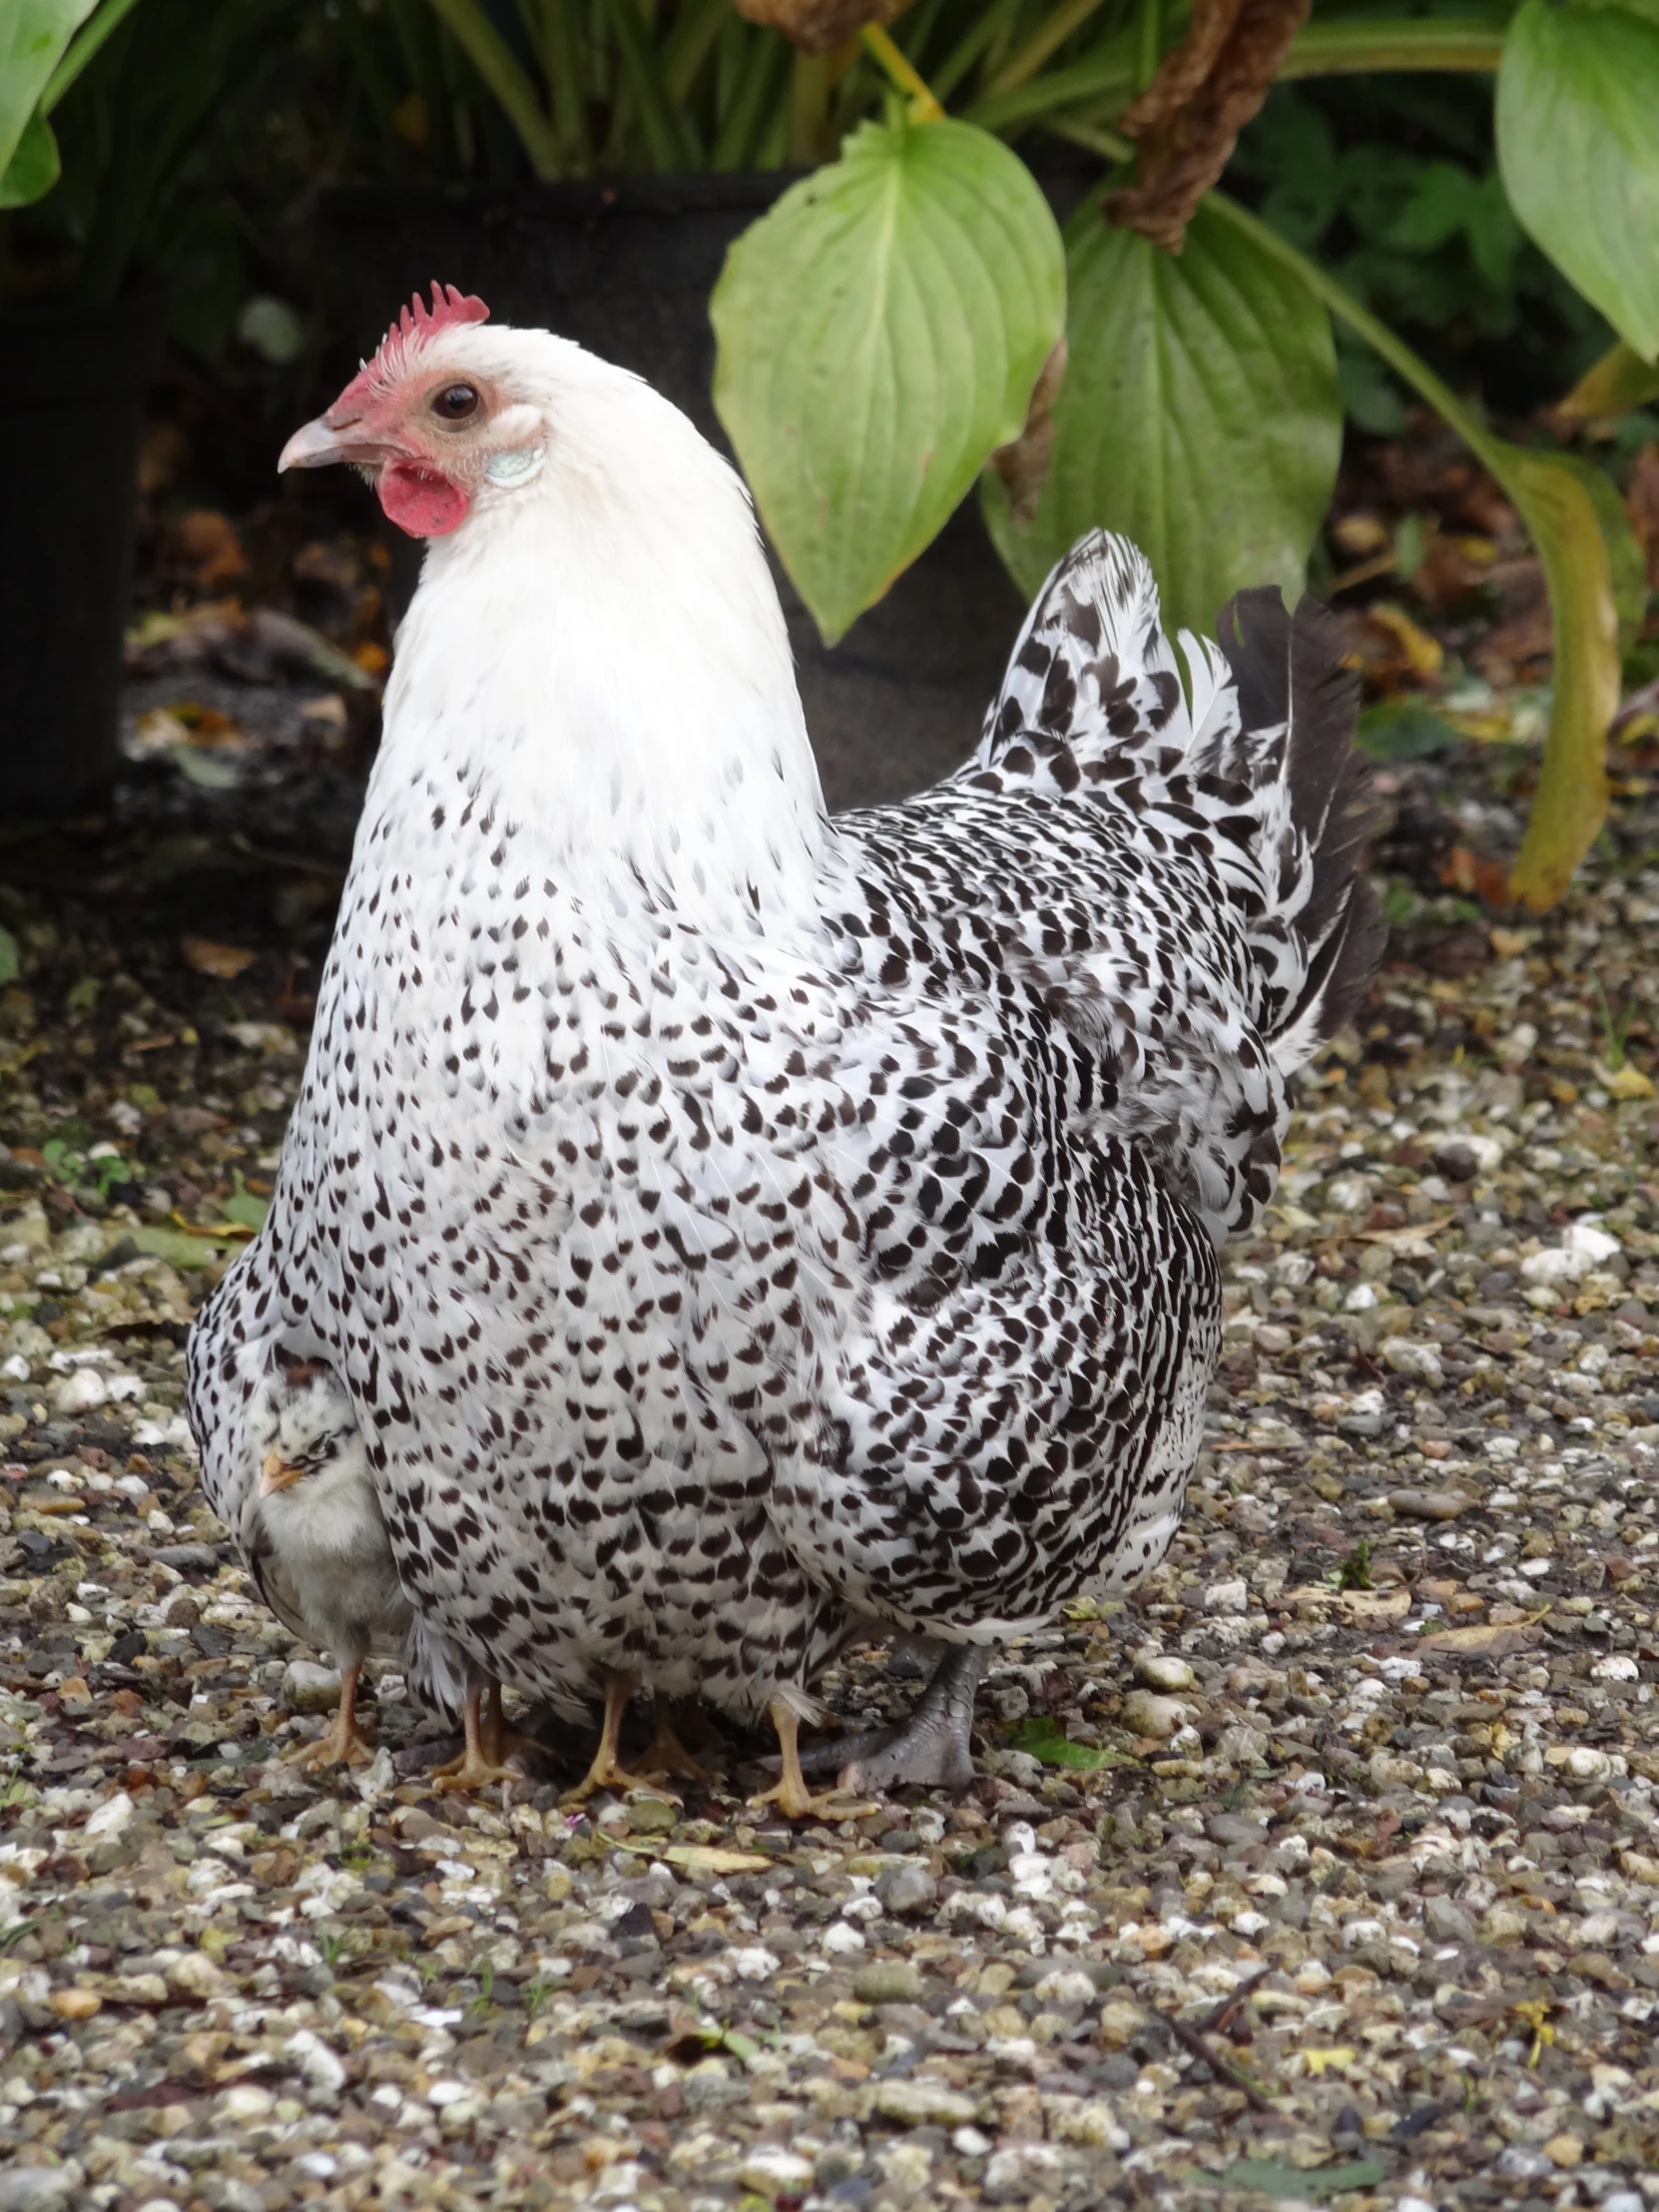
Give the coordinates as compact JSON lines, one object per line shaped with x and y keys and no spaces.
{"x":711,"y":1858}
{"x":1619,"y":382}
{"x":1571,"y":800}
{"x":1321,"y":2062}
{"x":1626,"y":1082}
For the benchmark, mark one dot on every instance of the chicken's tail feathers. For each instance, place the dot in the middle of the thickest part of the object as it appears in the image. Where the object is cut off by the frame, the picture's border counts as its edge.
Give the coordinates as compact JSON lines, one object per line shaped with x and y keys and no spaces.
{"x":1251,"y":755}
{"x":1287,"y":751}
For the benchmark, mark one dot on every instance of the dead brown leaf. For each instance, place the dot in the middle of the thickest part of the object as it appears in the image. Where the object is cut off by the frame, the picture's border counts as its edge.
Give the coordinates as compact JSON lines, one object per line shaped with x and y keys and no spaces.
{"x":225,"y":961}
{"x":818,"y":26}
{"x":202,"y":548}
{"x":1484,"y":1642}
{"x":1641,"y":498}
{"x":1022,"y":464}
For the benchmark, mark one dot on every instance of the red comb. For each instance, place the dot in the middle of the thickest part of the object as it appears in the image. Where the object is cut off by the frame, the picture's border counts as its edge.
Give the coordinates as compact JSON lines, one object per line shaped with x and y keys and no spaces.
{"x":450,"y":307}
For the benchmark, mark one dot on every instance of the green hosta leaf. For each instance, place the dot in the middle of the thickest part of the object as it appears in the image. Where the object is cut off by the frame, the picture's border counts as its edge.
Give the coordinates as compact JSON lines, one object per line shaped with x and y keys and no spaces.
{"x":33,"y":36}
{"x":1579,"y":143}
{"x":34,"y":166}
{"x":1200,"y":417}
{"x":880,"y":332}
{"x":245,"y":1207}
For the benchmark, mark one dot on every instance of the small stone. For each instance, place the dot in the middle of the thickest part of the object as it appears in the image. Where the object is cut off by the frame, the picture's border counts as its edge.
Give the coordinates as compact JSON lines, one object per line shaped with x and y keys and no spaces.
{"x":1564,"y":2150}
{"x":1147,"y":1714}
{"x":80,"y":1393}
{"x":923,"y":2103}
{"x":110,"y":1818}
{"x":75,"y":2004}
{"x":197,"y":1976}
{"x":1227,"y":1597}
{"x":1438,"y":1505}
{"x":1162,"y":1670}
{"x":1407,"y":1358}
{"x":1446,"y":1922}
{"x":772,"y":2171}
{"x":908,"y":1889}
{"x":888,"y":1982}
{"x":244,"y":2104}
{"x":35,"y":2188}
{"x":310,"y":1688}
{"x":651,"y":1815}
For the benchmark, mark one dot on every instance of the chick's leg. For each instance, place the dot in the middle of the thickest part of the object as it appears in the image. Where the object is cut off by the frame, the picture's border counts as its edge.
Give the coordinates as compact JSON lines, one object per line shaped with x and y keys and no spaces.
{"x":345,"y":1742}
{"x":607,"y":1773}
{"x":791,"y":1795}
{"x":475,"y":1768}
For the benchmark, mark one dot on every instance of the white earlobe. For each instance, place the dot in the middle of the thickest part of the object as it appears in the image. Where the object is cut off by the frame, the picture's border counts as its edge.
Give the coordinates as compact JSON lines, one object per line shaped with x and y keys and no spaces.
{"x":515,"y":467}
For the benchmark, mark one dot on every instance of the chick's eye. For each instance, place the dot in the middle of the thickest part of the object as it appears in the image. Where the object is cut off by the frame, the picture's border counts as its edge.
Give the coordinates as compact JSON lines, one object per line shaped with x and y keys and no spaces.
{"x":456,"y":402}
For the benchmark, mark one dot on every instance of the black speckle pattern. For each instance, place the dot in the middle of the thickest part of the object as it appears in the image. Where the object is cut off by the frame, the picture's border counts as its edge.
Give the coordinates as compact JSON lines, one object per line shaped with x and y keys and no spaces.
{"x":700,"y":1295}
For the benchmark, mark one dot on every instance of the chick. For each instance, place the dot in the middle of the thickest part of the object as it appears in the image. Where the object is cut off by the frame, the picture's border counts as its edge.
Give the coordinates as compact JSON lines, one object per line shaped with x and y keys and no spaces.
{"x":319,"y":1551}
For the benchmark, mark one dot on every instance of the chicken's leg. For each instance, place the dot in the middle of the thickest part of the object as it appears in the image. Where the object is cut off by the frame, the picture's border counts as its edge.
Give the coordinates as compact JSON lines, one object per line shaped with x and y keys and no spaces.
{"x":345,"y":1742}
{"x":499,"y":1739}
{"x":930,"y":1750}
{"x":791,"y":1795}
{"x":607,"y":1773}
{"x":477,"y":1765}
{"x":667,"y":1752}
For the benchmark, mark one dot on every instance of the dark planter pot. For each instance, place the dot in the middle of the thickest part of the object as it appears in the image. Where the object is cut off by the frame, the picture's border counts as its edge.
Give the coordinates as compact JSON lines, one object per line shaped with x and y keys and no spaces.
{"x":74,"y":386}
{"x":625,"y":268}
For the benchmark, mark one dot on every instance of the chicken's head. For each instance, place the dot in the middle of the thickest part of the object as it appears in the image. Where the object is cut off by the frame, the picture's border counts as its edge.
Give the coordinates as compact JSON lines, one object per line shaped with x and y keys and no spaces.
{"x":430,"y":420}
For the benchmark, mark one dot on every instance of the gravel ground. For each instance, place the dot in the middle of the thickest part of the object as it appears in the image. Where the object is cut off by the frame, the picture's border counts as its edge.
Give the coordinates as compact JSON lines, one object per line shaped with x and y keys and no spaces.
{"x":1326,"y":1870}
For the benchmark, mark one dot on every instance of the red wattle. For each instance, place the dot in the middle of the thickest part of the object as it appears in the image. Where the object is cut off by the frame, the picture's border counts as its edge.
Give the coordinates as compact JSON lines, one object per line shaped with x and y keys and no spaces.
{"x":420,"y":500}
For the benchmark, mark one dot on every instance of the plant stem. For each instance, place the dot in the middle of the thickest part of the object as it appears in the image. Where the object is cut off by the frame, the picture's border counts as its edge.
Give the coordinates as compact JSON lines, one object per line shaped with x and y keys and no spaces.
{"x":982,"y":33}
{"x":746,"y":118}
{"x":666,"y":136}
{"x":903,"y":73}
{"x":808,"y":109}
{"x":1574,"y":552}
{"x":1026,"y":60}
{"x":1148,"y":43}
{"x":82,"y":48}
{"x":561,"y":66}
{"x":1344,"y":48}
{"x":1106,"y":74}
{"x":1105,"y":143}
{"x":506,"y":77}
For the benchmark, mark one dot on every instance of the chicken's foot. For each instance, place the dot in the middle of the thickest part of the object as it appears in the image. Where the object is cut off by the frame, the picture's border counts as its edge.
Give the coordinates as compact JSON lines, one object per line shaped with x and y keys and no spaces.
{"x":607,"y":1772}
{"x":929,"y":1751}
{"x":478,"y":1766}
{"x":671,"y":1720}
{"x":791,"y":1795}
{"x":343,"y":1742}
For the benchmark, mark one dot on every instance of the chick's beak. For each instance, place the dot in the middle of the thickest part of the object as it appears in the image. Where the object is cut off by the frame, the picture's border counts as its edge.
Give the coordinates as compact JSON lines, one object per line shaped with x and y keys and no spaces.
{"x":276,"y":1474}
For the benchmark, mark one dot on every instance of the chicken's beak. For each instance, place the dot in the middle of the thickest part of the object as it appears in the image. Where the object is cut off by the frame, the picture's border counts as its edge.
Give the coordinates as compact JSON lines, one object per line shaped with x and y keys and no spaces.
{"x":276,"y":1474}
{"x":320,"y":443}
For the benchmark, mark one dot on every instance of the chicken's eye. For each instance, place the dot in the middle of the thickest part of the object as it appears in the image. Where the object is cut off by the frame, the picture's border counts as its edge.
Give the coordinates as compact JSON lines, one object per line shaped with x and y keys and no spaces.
{"x":455,"y":403}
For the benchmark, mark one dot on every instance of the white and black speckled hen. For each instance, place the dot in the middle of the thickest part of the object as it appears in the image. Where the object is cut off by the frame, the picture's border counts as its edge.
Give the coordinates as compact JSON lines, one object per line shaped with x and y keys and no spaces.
{"x":731,"y":1224}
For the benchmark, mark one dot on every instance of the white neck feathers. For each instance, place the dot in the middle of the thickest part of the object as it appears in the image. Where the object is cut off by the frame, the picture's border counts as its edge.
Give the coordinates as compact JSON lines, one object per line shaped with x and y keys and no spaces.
{"x":598,"y":656}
